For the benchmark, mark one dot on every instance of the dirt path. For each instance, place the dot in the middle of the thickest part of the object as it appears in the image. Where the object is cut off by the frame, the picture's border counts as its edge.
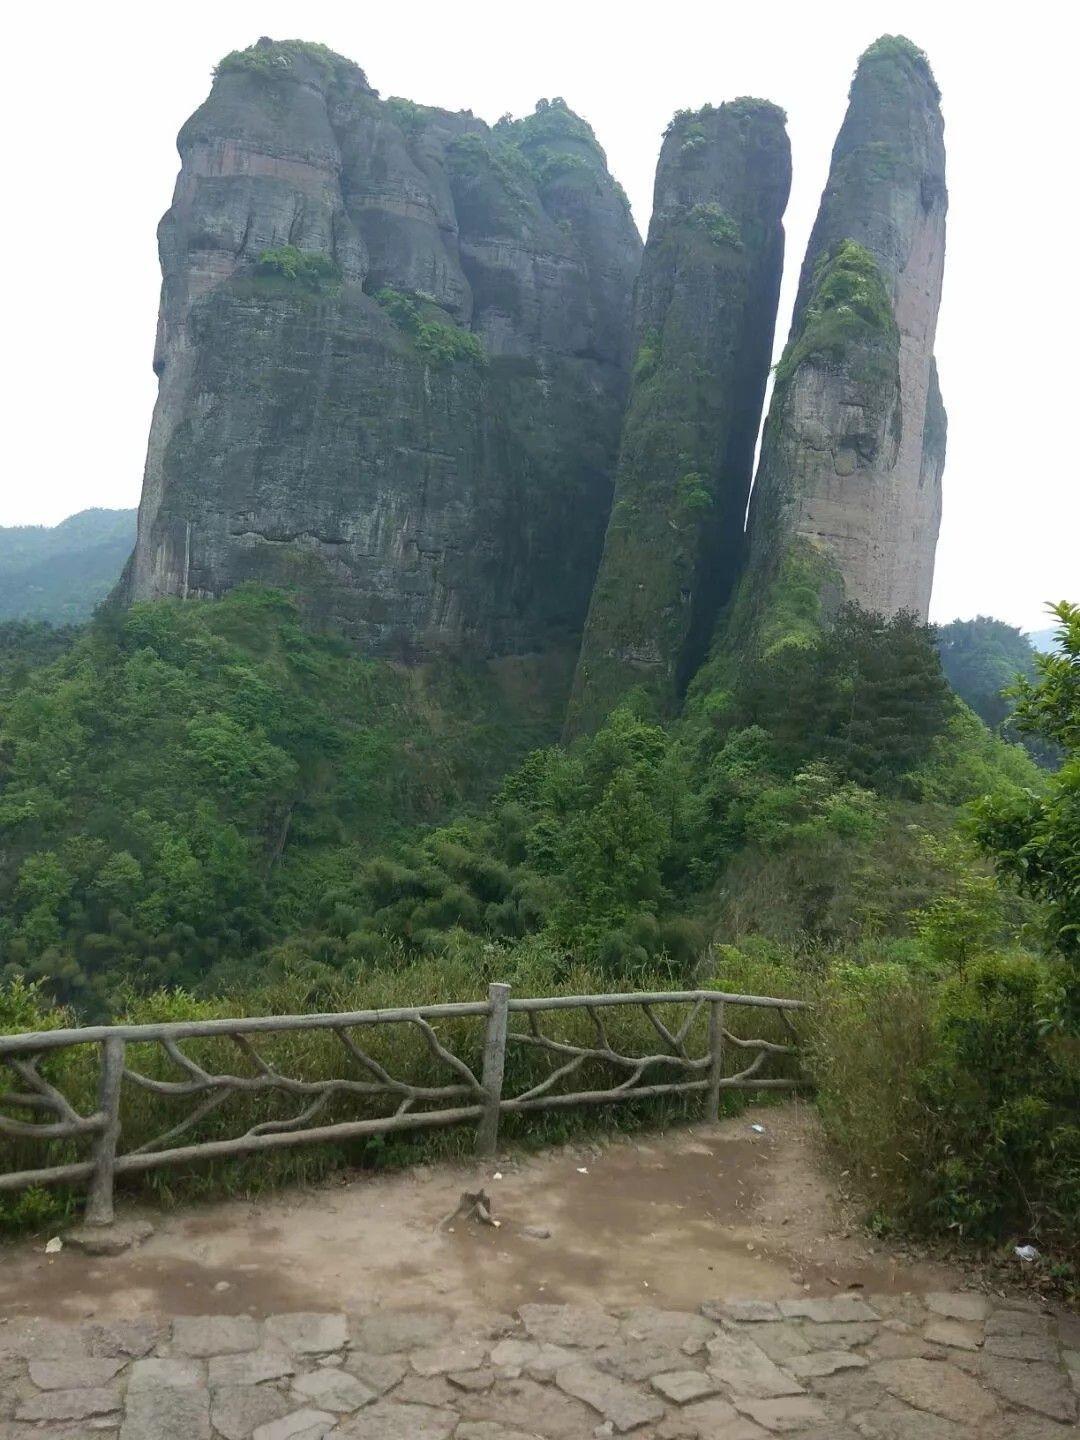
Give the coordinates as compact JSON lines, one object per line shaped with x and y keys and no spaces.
{"x":699,"y":1285}
{"x":667,"y":1220}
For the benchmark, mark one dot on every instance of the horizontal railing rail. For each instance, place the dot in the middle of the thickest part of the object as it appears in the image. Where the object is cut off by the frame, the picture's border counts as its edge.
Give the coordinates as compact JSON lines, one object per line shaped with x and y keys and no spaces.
{"x":43,"y":1113}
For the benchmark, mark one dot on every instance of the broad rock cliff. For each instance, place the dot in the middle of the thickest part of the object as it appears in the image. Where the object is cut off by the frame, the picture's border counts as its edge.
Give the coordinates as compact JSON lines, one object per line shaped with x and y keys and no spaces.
{"x":393,"y":351}
{"x":705,"y":312}
{"x":847,"y":499}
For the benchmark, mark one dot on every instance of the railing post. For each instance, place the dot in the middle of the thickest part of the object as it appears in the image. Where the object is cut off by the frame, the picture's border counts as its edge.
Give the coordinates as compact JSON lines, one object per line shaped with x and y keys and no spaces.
{"x":716,"y":1058}
{"x":99,"y":1200}
{"x":487,"y":1132}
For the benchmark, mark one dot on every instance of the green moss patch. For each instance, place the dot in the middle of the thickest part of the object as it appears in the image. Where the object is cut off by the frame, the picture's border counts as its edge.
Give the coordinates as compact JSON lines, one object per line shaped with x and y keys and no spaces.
{"x":849,"y":304}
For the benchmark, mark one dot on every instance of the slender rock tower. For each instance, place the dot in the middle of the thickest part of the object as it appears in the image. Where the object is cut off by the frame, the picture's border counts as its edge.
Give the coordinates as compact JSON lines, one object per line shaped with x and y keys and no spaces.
{"x":705,"y":311}
{"x":847,"y":501}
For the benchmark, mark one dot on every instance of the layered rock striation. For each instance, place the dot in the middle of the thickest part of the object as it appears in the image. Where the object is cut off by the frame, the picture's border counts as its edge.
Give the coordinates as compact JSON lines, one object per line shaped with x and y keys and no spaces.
{"x":393,"y":351}
{"x":705,"y":312}
{"x":847,"y":500}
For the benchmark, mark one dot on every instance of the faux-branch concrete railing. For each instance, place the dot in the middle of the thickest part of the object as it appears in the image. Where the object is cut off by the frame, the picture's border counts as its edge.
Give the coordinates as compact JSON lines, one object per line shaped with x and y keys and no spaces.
{"x":484,"y":1098}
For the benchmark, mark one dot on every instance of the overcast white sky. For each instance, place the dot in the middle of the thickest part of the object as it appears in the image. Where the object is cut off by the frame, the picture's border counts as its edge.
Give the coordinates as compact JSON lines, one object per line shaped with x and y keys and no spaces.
{"x":93,"y":97}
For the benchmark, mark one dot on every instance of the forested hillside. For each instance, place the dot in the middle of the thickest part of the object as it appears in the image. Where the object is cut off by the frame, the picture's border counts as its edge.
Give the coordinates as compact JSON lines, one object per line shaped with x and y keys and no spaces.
{"x":219,"y":798}
{"x":60,"y":572}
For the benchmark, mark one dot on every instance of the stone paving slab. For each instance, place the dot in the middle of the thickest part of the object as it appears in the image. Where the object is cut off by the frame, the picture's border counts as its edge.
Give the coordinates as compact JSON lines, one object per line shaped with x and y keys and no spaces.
{"x":937,"y":1367}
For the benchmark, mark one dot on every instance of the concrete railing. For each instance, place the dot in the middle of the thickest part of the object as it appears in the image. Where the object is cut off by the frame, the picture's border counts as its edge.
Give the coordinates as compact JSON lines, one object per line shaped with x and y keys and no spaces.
{"x":461,"y":1095}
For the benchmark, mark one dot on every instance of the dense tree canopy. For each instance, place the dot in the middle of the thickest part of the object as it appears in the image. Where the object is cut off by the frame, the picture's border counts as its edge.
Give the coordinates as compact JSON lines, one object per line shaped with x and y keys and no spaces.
{"x":982,"y":660}
{"x":177,"y":786}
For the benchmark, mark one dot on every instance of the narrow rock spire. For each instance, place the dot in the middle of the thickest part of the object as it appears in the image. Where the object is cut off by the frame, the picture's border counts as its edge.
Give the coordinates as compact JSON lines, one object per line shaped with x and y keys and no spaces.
{"x":847,"y":500}
{"x":705,"y":310}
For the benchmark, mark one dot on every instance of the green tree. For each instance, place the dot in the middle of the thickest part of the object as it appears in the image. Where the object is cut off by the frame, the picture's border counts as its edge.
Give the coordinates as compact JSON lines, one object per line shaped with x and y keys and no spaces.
{"x":867,"y":695}
{"x":1034,"y":838}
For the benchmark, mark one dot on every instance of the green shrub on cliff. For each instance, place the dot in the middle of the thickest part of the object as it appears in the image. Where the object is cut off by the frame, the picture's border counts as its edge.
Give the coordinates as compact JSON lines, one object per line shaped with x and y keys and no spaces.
{"x":714,"y":221}
{"x":307,"y":268}
{"x":439,"y":341}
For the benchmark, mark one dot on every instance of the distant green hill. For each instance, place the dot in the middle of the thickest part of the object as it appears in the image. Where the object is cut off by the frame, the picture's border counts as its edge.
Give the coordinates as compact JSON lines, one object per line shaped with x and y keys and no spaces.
{"x":60,"y":572}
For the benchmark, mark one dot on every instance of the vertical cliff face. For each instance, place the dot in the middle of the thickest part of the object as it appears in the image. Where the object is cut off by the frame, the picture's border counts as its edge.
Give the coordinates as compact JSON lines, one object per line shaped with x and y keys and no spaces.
{"x":705,"y":309}
{"x":393,"y":351}
{"x":847,"y":501}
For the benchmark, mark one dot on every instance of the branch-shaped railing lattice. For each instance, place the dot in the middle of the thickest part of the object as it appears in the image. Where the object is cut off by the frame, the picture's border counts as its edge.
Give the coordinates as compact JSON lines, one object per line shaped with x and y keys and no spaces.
{"x":41,"y":1112}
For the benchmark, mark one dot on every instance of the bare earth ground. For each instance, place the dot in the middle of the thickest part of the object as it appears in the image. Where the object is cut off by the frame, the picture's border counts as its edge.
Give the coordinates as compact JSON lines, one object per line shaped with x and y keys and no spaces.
{"x":599,"y":1305}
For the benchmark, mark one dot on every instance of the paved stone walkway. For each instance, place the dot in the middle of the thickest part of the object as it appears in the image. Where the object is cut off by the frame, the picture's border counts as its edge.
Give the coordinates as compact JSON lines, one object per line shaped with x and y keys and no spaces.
{"x":883,"y":1367}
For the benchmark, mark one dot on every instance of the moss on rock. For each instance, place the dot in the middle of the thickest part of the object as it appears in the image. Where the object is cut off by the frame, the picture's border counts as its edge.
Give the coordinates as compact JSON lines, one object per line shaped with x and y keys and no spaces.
{"x":848,"y":305}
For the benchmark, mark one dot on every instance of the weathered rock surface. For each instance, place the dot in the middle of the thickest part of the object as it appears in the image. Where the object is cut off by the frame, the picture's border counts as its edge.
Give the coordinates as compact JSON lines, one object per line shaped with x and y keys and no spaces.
{"x":392,"y":1331}
{"x":743,"y":1379}
{"x":847,"y":500}
{"x":167,"y":1413}
{"x":253,"y":1368}
{"x":958,"y":1305}
{"x":332,"y":1390}
{"x":238,"y":1410}
{"x":204,"y":1335}
{"x":399,"y":1422}
{"x":682,"y":1386}
{"x":78,"y":1404}
{"x":306,"y":1333}
{"x":744,"y":1368}
{"x":935,"y":1387}
{"x":622,"y":1405}
{"x":73,"y":1374}
{"x":300,"y":1425}
{"x":586,"y":1326}
{"x":1035,"y":1385}
{"x":705,"y":309}
{"x":412,"y":415}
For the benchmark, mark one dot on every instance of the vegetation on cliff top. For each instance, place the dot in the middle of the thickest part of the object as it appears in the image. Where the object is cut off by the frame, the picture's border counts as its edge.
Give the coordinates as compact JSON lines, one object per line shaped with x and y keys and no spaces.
{"x":690,"y":122}
{"x":897,"y":50}
{"x":277,"y":60}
